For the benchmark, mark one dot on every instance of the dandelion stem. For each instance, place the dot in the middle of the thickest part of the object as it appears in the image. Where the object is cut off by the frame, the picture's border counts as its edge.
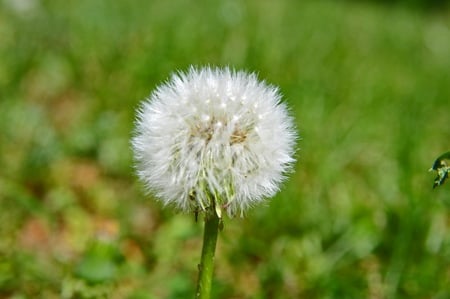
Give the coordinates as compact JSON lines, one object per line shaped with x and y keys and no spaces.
{"x":206,"y":266}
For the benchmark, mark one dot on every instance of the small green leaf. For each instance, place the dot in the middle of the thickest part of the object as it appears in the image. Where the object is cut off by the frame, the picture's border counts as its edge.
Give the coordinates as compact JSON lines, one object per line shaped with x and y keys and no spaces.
{"x":442,"y":169}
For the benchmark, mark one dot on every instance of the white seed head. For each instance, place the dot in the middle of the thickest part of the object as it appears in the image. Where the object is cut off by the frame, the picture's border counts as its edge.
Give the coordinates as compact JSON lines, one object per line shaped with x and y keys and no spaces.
{"x":213,"y":137}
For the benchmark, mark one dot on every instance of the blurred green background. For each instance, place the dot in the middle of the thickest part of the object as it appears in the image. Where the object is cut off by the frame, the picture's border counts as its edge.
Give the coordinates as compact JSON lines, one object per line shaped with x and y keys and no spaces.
{"x":369,"y":86}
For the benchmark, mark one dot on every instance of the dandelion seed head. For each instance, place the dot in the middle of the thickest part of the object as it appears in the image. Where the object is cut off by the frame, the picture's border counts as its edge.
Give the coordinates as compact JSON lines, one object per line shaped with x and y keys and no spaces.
{"x":213,"y":136}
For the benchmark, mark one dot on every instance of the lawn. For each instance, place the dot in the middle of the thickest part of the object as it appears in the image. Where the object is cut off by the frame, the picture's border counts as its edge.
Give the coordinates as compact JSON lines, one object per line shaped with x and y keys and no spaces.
{"x":367,"y":83}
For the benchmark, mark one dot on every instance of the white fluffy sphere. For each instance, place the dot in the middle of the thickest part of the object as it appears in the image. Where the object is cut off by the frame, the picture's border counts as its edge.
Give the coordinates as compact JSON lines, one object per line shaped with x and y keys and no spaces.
{"x":213,"y":137}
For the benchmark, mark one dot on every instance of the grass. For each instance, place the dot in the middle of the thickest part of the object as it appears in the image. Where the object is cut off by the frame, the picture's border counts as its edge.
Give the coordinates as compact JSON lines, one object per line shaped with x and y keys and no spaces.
{"x":367,"y":84}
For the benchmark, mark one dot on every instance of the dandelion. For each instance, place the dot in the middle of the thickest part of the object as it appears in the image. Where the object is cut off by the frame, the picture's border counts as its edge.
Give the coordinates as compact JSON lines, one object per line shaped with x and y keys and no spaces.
{"x":212,"y":140}
{"x":213,"y":137}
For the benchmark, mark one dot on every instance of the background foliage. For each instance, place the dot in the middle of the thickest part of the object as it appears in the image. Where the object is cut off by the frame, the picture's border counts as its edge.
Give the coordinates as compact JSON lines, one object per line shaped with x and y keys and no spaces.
{"x":368,"y":84}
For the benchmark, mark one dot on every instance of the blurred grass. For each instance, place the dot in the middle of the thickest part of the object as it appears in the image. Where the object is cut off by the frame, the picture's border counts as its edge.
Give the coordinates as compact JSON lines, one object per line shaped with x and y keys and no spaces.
{"x":367,"y":83}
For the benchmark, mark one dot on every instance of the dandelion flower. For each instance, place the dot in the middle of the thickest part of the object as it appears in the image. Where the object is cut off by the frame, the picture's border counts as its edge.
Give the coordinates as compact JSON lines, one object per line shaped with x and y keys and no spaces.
{"x":213,"y":137}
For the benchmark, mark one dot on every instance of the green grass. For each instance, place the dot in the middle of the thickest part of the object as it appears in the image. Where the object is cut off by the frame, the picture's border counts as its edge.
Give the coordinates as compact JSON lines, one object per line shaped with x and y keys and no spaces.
{"x":368,"y":85}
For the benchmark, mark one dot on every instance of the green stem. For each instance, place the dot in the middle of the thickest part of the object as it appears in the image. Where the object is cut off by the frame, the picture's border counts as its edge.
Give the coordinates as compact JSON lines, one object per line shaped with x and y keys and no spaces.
{"x":206,"y":266}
